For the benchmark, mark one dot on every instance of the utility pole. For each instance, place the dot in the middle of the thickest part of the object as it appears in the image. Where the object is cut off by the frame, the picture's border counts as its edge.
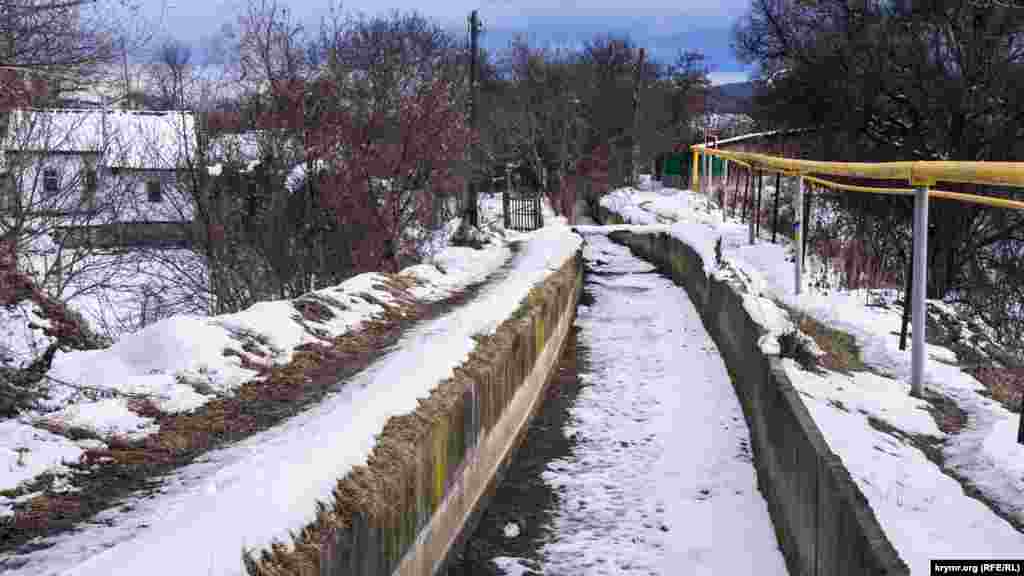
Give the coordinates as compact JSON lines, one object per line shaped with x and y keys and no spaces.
{"x":474,"y":99}
{"x":127,"y":86}
{"x":635,"y":161}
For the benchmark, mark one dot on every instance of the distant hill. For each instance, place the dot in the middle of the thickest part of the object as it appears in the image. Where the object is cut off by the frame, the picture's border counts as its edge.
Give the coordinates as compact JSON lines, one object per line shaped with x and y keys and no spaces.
{"x":734,"y":98}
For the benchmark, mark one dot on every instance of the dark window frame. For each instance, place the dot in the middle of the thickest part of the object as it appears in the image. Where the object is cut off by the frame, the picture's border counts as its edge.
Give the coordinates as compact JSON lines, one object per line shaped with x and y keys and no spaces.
{"x":7,"y":191}
{"x":90,"y":184}
{"x":154,"y":191}
{"x":51,"y":181}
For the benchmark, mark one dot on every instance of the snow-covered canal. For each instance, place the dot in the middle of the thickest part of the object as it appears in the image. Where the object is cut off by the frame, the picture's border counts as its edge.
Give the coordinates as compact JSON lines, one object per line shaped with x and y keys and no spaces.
{"x":659,"y":478}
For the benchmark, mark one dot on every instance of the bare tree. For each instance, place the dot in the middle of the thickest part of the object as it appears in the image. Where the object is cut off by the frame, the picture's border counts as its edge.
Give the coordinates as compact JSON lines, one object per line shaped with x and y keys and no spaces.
{"x":172,"y":74}
{"x":341,"y":168}
{"x":52,"y":46}
{"x":906,"y":81}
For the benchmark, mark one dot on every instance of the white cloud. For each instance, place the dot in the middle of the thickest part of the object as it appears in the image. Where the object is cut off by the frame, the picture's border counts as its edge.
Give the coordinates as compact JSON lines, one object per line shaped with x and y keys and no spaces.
{"x":718,"y":78}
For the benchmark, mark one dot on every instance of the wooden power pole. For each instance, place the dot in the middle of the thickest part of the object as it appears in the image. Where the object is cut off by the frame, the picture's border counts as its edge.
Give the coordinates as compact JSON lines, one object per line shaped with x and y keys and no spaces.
{"x":634,"y":172}
{"x":474,"y":99}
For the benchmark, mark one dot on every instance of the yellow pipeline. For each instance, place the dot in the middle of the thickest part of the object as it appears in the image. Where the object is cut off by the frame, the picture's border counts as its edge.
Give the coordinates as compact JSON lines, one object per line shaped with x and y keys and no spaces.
{"x":969,"y":198}
{"x":986,"y":200}
{"x":852,"y":188}
{"x":919,"y":173}
{"x":744,"y":164}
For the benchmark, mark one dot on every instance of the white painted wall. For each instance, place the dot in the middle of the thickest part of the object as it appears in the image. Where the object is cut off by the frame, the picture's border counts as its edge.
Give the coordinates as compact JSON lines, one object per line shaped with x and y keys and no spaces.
{"x":121,"y":194}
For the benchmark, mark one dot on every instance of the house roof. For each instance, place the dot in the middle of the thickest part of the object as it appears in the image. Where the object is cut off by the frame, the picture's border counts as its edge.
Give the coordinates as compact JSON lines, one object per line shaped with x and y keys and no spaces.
{"x":241,"y":147}
{"x":123,"y":138}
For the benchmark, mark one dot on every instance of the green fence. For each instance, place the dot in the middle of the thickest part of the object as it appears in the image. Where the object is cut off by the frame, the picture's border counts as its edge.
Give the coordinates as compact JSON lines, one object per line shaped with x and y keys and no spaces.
{"x":675,"y":165}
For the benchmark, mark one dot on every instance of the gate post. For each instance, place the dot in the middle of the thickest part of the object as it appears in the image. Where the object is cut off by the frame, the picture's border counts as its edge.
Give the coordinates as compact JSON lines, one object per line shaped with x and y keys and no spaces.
{"x":507,"y":196}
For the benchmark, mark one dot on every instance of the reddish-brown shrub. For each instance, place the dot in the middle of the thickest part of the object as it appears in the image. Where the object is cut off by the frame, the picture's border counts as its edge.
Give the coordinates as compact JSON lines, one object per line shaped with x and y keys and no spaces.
{"x":1005,"y":384}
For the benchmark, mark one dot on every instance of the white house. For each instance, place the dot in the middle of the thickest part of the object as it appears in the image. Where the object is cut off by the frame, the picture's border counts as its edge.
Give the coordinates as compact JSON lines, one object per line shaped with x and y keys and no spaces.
{"x":723,"y":125}
{"x":99,"y":170}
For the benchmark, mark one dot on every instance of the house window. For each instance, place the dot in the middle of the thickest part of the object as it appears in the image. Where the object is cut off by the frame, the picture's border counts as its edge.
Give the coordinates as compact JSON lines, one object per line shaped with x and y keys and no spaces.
{"x":153,"y":191}
{"x":51,"y":181}
{"x":6,"y":192}
{"x":89,"y":187}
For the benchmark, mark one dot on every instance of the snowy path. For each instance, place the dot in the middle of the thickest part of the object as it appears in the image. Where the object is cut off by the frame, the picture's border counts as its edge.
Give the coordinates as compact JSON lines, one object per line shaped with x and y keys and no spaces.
{"x":913,"y":497}
{"x":661,"y":480}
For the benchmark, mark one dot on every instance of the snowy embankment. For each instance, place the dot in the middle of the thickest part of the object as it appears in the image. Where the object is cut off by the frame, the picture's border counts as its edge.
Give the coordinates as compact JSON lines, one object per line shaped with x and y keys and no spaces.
{"x":661,"y":479}
{"x":259,"y":489}
{"x":925,"y":512}
{"x":179,"y":363}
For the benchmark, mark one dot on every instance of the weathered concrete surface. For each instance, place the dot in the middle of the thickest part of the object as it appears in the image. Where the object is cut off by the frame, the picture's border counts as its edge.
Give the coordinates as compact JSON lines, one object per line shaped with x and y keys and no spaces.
{"x":823,"y":522}
{"x":474,"y":422}
{"x":495,"y":448}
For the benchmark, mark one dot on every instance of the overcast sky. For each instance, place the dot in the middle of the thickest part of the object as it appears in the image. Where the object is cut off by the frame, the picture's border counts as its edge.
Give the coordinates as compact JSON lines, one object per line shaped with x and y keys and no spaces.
{"x":663,"y":26}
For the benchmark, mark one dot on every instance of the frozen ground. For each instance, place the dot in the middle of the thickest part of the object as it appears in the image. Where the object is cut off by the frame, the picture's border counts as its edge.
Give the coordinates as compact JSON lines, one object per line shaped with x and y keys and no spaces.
{"x":924,"y":511}
{"x":256,"y":491}
{"x":179,"y":362}
{"x":660,"y":480}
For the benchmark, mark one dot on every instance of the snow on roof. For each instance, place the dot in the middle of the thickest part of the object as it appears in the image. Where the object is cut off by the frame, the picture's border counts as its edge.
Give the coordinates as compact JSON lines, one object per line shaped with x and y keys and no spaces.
{"x":242,"y":147}
{"x":717,"y":121}
{"x":54,"y":131}
{"x":150,"y":139}
{"x":755,"y":135}
{"x":203,"y":84}
{"x":124,"y":138}
{"x":297,"y":175}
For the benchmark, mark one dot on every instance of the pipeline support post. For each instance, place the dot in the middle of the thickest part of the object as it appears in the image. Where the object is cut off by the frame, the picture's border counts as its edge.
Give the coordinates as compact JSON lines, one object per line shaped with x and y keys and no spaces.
{"x":798,"y":231}
{"x":917,"y":350}
{"x":753,"y":211}
{"x":707,"y":175}
{"x":695,"y":172}
{"x":725,"y":185}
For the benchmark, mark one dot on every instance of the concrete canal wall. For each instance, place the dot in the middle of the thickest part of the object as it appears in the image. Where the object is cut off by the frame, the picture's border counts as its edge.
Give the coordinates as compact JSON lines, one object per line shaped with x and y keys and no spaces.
{"x":823,"y":522}
{"x":432,"y":471}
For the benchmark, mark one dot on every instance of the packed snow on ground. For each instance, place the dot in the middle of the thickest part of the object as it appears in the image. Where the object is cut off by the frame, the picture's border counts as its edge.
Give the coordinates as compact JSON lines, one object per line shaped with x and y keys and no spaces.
{"x":179,"y":362}
{"x":925,"y":512}
{"x":118,"y":292}
{"x":107,"y":418}
{"x":511,"y":566}
{"x":22,"y":339}
{"x":268,"y":484}
{"x":27,"y":452}
{"x":660,"y":480}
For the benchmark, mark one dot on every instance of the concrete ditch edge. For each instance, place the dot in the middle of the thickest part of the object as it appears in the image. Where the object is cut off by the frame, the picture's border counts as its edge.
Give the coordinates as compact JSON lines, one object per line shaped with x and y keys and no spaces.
{"x":409,"y":518}
{"x":823,"y":522}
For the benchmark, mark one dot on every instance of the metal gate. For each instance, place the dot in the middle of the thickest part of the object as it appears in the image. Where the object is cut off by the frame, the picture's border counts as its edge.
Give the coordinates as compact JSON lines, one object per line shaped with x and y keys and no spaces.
{"x":522,"y":211}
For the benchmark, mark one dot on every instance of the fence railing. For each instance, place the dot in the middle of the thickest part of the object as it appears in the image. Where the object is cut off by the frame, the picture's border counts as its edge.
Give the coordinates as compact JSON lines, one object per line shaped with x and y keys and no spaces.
{"x":922,"y":175}
{"x":522,"y":213}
